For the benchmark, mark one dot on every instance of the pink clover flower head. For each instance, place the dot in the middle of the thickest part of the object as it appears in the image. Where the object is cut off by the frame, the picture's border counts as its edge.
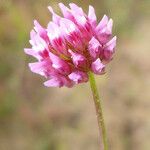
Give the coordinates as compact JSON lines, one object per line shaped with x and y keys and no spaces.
{"x":71,"y":46}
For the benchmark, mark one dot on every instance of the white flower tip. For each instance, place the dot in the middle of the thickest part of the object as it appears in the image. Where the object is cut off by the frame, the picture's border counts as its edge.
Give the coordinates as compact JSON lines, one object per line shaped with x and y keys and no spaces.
{"x":111,"y":44}
{"x":61,"y":5}
{"x":35,"y":22}
{"x":91,"y":7}
{"x":53,"y":83}
{"x":91,"y":13}
{"x":50,"y":9}
{"x":72,"y":4}
{"x":105,"y":17}
{"x":75,"y":7}
{"x":110,"y":22}
{"x":32,"y":67}
{"x":109,"y":26}
{"x":37,"y":26}
{"x":98,"y":67}
{"x":46,"y":84}
{"x":114,"y":41}
{"x":68,"y":25}
{"x":115,"y":38}
{"x":70,"y":51}
{"x":26,"y":50}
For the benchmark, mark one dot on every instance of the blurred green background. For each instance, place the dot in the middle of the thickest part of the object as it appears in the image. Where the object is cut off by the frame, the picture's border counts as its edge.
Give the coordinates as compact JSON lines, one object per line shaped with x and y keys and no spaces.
{"x":33,"y":117}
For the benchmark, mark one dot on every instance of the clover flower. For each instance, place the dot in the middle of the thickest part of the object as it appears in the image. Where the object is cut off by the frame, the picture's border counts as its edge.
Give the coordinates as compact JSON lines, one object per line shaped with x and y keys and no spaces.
{"x":71,"y":46}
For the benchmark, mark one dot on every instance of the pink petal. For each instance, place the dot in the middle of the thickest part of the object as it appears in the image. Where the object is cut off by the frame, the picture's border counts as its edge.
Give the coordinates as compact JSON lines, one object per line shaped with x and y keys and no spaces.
{"x":71,"y":33}
{"x":66,"y":82}
{"x":40,"y":67}
{"x":66,"y":11}
{"x":40,"y":55}
{"x":38,"y":44}
{"x":76,"y":9}
{"x":80,"y":20}
{"x":102,"y":23}
{"x":41,"y":31}
{"x":58,"y":81}
{"x":56,"y":18}
{"x":59,"y":64}
{"x":109,"y":49}
{"x":109,"y":27}
{"x":38,"y":28}
{"x":98,"y":67}
{"x":30,"y":51}
{"x":78,"y":77}
{"x":54,"y":82}
{"x":78,"y":59}
{"x":56,"y":38}
{"x":92,"y":16}
{"x":68,"y":26}
{"x":53,"y":30}
{"x":44,"y":54}
{"x":32,"y":34}
{"x":104,"y":30}
{"x":94,"y":47}
{"x":84,"y":26}
{"x":111,"y":44}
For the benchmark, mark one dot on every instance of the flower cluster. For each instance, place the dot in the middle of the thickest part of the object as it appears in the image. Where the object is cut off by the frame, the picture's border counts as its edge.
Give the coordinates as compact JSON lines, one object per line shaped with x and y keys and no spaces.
{"x":71,"y":46}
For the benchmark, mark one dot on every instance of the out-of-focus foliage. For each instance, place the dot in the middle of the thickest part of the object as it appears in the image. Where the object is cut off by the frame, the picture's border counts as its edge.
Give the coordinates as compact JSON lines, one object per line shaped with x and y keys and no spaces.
{"x":33,"y":117}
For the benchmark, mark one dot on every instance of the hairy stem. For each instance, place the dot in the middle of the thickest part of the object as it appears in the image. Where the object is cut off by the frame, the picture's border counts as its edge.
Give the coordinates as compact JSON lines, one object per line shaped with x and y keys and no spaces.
{"x":99,"y":113}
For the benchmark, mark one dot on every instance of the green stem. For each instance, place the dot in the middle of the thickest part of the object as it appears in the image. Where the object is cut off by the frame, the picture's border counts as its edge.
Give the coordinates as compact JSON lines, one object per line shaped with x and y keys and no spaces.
{"x":99,"y":112}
